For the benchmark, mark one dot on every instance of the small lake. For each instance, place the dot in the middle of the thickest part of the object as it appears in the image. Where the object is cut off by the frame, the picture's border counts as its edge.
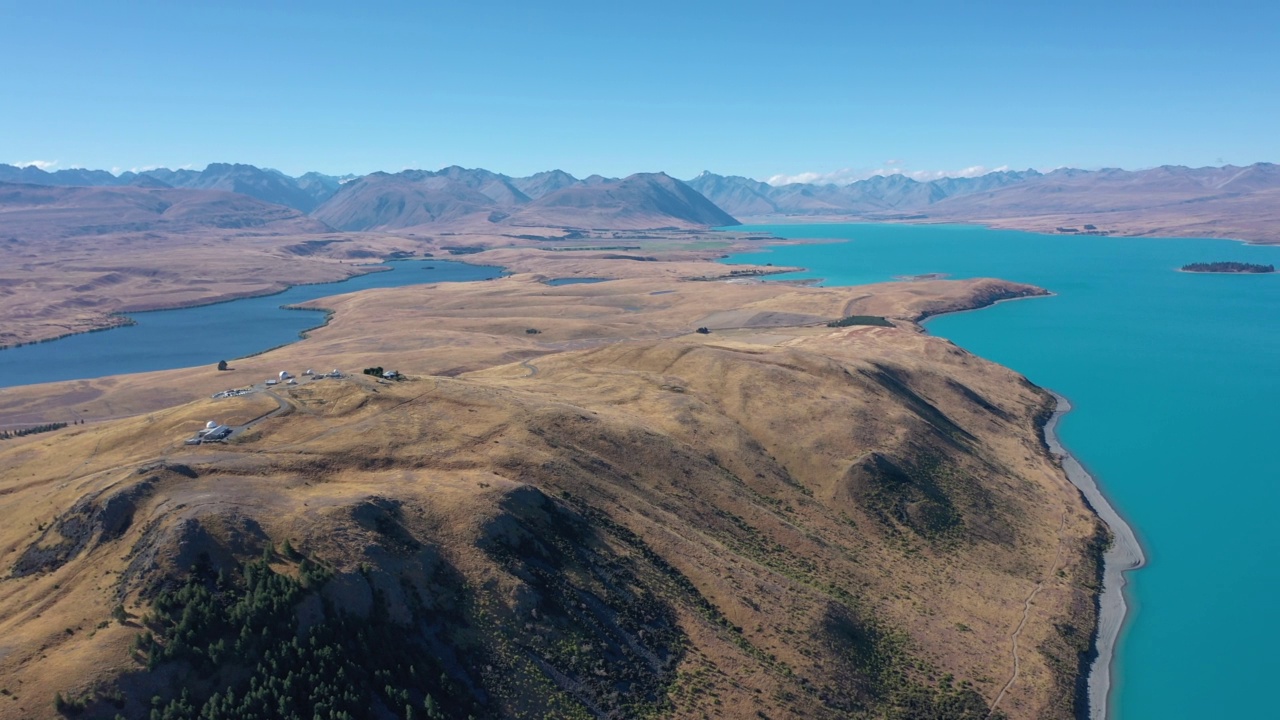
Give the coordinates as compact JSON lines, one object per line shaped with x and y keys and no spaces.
{"x":1175,"y":379}
{"x":166,"y":339}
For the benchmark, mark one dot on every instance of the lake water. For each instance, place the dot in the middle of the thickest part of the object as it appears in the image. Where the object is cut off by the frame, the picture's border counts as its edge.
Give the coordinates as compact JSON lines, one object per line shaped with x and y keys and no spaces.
{"x":1175,"y":379}
{"x":164,"y":339}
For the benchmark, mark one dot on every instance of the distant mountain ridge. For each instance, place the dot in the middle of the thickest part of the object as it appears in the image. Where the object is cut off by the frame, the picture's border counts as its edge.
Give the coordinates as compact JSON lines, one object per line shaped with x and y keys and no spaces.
{"x":1226,"y":201}
{"x":33,"y":211}
{"x":412,"y":198}
{"x":643,"y":200}
{"x":879,"y":193}
{"x":464,"y":198}
{"x":406,"y":199}
{"x":1003,"y":192}
{"x":302,"y":193}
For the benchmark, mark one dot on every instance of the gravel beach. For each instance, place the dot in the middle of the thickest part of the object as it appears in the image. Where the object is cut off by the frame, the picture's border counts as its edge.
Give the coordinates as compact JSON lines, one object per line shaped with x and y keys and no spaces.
{"x":1125,"y":554}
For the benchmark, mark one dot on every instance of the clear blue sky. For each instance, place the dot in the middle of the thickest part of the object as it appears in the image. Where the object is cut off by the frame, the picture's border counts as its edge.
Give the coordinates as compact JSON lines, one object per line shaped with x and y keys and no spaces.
{"x":741,"y":87}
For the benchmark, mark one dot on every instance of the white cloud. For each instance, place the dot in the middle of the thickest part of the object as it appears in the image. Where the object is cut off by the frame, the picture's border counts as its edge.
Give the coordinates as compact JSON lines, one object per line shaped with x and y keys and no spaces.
{"x":145,"y":168}
{"x":927,"y":175}
{"x":39,"y":164}
{"x":845,"y":176}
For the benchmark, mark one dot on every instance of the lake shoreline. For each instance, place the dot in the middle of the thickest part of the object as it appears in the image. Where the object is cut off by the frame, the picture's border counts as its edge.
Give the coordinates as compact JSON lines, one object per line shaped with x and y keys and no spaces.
{"x":1123,"y":555}
{"x":127,"y":319}
{"x":212,"y":323}
{"x":1127,"y":330}
{"x":923,"y":318}
{"x":1171,"y":233}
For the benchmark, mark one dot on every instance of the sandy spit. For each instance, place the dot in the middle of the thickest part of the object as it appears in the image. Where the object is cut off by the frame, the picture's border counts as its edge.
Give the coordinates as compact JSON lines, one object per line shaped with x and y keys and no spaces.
{"x":1124,"y":555}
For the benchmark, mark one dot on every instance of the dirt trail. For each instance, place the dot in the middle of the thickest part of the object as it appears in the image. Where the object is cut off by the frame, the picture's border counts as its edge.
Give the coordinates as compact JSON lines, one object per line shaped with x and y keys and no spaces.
{"x":1026,"y":614}
{"x":283,"y":407}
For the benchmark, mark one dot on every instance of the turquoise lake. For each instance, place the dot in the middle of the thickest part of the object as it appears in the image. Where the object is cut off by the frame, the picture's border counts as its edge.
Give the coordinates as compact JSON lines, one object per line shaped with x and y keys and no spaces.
{"x":164,"y":339}
{"x":1175,"y":379}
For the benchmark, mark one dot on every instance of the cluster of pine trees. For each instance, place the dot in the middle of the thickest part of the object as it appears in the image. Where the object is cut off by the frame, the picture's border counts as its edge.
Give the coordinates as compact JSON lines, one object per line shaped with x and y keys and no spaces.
{"x":874,"y":320}
{"x":237,"y":641}
{"x":47,"y":427}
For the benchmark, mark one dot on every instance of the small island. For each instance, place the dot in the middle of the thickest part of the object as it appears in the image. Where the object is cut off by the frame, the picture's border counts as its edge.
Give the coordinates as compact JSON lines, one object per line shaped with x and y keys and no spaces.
{"x":1228,"y":267}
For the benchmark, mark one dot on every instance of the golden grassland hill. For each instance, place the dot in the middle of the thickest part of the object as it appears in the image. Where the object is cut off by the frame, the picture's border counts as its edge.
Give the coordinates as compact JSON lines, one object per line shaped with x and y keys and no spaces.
{"x":452,"y":328}
{"x":614,"y":517}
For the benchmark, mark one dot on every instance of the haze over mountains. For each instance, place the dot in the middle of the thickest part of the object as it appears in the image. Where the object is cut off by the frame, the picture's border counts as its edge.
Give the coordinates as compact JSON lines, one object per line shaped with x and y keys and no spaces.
{"x":1227,"y":201}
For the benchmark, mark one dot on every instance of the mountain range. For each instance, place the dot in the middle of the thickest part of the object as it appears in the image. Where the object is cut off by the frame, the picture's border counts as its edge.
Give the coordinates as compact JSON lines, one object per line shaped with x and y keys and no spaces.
{"x":302,"y":193}
{"x":412,"y":198}
{"x":34,"y":211}
{"x":1216,"y":201}
{"x":1065,"y":189}
{"x":1225,"y":202}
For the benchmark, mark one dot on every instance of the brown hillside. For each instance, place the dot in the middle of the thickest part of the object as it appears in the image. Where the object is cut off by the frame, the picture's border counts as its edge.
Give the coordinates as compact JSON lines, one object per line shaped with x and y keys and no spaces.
{"x":776,"y":520}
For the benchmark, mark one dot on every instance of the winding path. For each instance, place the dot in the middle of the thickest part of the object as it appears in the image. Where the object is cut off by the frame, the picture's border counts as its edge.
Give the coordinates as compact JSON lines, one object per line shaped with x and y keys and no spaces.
{"x":1026,"y":614}
{"x":283,"y":407}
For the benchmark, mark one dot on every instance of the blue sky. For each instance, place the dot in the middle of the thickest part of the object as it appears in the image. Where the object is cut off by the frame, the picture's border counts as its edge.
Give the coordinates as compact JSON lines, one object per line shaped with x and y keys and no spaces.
{"x":762,"y":89}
